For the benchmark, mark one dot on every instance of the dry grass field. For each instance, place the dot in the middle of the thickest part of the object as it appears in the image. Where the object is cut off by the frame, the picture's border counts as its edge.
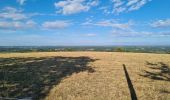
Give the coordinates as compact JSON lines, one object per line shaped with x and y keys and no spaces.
{"x":84,"y":75}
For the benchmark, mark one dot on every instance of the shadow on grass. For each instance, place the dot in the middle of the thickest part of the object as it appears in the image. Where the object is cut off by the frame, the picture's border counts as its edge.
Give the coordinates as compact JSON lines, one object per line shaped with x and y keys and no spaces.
{"x":130,"y":85}
{"x":34,"y":77}
{"x":161,"y":71}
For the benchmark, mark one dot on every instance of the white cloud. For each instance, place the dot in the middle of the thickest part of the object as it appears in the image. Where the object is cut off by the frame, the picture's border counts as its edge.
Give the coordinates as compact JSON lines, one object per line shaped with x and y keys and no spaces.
{"x":135,"y":33}
{"x":90,"y":34}
{"x":119,"y":10}
{"x":93,"y":3}
{"x":130,"y":33}
{"x":164,"y":33}
{"x":10,"y":9}
{"x":161,"y":23}
{"x":87,"y":22}
{"x":110,"y":23}
{"x":17,"y":25}
{"x":138,"y":5}
{"x":132,"y":2}
{"x":15,"y":19}
{"x":120,"y":6}
{"x":67,"y":7}
{"x":10,"y":25}
{"x":12,"y":13}
{"x":58,"y":24}
{"x":13,"y":16}
{"x":31,"y":24}
{"x":105,"y":10}
{"x":117,"y":3}
{"x":21,"y":2}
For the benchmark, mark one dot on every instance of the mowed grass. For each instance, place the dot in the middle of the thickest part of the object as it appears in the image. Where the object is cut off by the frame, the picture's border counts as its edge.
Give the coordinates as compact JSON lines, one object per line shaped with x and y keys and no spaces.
{"x":88,"y":75}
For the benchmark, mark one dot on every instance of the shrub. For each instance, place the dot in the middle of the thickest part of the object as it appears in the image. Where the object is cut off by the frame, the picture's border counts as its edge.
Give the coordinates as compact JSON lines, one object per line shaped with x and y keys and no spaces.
{"x":119,"y":49}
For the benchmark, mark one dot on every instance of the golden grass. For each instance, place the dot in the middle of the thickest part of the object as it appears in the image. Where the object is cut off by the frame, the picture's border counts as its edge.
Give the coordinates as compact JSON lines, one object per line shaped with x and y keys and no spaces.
{"x":108,"y":82}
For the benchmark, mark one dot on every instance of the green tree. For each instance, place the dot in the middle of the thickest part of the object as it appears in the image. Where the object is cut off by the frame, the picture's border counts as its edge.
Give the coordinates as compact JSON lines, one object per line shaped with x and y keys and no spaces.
{"x":120,"y":49}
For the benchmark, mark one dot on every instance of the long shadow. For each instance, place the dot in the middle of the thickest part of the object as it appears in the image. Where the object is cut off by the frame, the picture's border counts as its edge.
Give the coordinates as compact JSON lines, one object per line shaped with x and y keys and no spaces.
{"x":34,"y":77}
{"x":130,"y":85}
{"x":161,"y":71}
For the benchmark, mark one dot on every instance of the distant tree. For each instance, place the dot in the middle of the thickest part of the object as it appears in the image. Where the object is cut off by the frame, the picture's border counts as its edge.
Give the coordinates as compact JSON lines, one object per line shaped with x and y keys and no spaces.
{"x":120,"y":49}
{"x":69,"y":49}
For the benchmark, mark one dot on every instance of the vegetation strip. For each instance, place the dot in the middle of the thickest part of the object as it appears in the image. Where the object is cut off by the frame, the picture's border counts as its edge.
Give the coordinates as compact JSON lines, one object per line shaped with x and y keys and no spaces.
{"x":5,"y":98}
{"x":130,"y":85}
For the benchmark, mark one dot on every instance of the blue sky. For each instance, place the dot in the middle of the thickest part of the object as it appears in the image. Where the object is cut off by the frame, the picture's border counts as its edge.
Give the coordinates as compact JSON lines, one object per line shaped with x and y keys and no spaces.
{"x":84,"y":22}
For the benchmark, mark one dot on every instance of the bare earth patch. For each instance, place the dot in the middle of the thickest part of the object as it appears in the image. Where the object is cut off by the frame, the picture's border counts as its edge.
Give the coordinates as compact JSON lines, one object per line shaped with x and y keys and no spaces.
{"x":88,"y":75}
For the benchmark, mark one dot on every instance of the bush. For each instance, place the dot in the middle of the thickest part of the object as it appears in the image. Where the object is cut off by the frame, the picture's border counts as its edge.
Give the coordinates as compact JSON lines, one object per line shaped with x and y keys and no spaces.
{"x":119,"y":49}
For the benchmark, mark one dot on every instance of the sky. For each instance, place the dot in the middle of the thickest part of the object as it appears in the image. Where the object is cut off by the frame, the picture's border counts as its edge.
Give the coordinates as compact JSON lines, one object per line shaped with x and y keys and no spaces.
{"x":84,"y":22}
